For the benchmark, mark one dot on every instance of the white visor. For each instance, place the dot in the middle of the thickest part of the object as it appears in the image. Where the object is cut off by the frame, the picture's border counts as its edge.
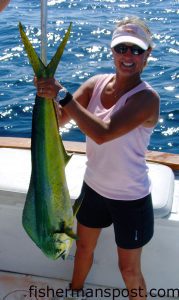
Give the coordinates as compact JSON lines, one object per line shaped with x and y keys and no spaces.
{"x":133,"y":34}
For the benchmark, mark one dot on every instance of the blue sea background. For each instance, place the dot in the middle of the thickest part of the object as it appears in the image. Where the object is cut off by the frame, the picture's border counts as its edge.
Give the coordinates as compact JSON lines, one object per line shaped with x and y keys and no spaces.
{"x":87,"y":53}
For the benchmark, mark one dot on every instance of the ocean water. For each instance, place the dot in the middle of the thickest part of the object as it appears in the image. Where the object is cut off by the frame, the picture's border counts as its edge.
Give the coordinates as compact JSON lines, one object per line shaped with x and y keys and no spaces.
{"x":87,"y":53}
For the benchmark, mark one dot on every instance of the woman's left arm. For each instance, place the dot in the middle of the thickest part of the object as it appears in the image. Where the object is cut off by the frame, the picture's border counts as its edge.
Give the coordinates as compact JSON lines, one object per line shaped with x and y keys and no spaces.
{"x":141,"y":109}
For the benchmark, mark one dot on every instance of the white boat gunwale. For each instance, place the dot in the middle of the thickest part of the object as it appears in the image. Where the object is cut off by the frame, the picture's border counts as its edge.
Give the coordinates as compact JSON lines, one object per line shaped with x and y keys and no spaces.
{"x":169,"y":159}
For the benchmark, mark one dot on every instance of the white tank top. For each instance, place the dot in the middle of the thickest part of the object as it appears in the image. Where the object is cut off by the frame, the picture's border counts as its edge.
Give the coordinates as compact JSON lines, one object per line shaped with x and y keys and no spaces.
{"x":117,"y":169}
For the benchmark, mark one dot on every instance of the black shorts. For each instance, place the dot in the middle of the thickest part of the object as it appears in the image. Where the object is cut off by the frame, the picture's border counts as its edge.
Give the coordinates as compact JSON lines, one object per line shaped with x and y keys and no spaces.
{"x":133,"y":221}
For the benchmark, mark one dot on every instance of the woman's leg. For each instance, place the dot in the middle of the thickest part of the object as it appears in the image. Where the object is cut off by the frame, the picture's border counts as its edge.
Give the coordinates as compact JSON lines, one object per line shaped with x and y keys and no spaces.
{"x":84,"y":254}
{"x":130,"y":267}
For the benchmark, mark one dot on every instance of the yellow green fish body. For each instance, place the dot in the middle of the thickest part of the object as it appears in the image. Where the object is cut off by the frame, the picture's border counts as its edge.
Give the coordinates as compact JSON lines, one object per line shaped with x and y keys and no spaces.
{"x":48,"y":216}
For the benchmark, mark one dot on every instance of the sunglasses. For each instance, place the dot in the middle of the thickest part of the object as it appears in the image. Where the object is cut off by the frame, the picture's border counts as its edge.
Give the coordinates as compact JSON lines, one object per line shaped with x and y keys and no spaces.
{"x":122,"y":49}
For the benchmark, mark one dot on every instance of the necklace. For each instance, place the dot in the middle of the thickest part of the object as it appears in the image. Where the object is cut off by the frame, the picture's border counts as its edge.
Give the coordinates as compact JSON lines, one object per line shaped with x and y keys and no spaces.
{"x":116,"y":92}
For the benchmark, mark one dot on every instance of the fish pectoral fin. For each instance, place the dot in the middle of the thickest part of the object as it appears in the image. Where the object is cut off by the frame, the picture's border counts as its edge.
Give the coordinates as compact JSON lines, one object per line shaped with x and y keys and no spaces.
{"x":66,"y":155}
{"x":70,"y":233}
{"x":77,"y":205}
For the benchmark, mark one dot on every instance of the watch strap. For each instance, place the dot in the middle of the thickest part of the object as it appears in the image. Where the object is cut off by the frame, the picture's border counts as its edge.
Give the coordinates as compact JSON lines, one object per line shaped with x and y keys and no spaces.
{"x":65,"y":100}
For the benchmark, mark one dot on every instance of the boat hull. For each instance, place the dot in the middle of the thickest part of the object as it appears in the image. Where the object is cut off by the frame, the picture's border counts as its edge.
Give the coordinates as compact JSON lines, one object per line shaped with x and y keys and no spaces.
{"x":19,"y":254}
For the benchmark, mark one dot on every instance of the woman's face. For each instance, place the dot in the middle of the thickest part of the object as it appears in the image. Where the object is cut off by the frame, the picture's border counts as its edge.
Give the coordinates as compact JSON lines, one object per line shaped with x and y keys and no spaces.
{"x":129,"y":60}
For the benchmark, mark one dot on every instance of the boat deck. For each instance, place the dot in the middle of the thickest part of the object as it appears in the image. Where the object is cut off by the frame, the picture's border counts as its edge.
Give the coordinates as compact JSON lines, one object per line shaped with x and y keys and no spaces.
{"x":15,"y":286}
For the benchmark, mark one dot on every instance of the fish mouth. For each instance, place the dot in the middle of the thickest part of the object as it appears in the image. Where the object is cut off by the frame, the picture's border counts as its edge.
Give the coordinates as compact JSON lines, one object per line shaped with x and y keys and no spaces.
{"x":63,"y":245}
{"x":58,"y":247}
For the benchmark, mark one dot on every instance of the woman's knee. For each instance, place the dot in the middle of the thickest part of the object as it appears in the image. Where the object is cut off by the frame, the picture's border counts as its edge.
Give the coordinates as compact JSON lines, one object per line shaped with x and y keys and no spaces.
{"x":130,"y":272}
{"x":88,"y":238}
{"x":130,"y":263}
{"x":84,"y":248}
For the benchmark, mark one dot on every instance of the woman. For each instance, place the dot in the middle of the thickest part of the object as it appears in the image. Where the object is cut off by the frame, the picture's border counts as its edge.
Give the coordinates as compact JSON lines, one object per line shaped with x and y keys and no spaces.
{"x":117,"y":112}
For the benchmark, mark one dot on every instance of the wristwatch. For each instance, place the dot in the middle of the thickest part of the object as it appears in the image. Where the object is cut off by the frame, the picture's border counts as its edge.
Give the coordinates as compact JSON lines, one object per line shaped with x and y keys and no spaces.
{"x":63,"y":97}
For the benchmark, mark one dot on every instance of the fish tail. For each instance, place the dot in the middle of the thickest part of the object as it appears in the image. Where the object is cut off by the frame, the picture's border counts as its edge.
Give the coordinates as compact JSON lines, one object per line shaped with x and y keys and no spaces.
{"x":37,"y":65}
{"x":53,"y":64}
{"x":39,"y":68}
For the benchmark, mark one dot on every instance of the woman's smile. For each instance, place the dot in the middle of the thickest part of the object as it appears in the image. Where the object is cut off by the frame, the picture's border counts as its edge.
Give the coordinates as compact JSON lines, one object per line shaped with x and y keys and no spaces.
{"x":128,"y":65}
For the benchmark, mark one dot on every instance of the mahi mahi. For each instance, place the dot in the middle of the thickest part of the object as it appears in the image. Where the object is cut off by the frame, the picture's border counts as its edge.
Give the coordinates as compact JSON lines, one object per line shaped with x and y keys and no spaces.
{"x":48,"y":216}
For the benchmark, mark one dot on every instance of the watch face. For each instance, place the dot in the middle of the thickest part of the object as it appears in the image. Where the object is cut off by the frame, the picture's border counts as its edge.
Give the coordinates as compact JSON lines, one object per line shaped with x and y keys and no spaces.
{"x":62,"y":94}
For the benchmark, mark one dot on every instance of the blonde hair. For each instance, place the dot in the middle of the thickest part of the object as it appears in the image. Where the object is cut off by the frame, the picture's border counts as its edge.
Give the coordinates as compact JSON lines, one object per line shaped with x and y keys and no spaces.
{"x":137,"y":21}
